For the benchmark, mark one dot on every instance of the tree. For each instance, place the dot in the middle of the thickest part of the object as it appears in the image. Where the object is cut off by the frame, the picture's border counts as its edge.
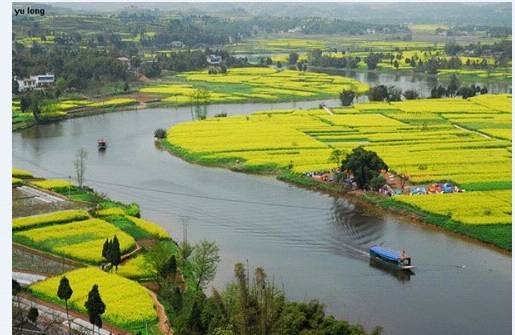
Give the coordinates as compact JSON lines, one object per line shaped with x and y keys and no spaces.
{"x":293,"y":57}
{"x":160,"y":133}
{"x":377,"y":182}
{"x":16,"y":287}
{"x":195,"y":318}
{"x":64,"y":292}
{"x":105,"y":249}
{"x":336,"y":157}
{"x":454,"y":83}
{"x":466,"y":92}
{"x":79,"y":165}
{"x":378,"y":93}
{"x":410,"y":94}
{"x":95,"y":307}
{"x":200,"y":98}
{"x":60,"y":84}
{"x":25,"y":102}
{"x":126,"y":86}
{"x":168,"y":270}
{"x":33,"y":314}
{"x":279,"y":64}
{"x":115,"y":253}
{"x":156,"y":257}
{"x":396,"y":64}
{"x":347,"y":97}
{"x":364,"y":165}
{"x":438,"y":92}
{"x":205,"y":259}
{"x":15,"y":87}
{"x":372,"y":59}
{"x":394,"y":94}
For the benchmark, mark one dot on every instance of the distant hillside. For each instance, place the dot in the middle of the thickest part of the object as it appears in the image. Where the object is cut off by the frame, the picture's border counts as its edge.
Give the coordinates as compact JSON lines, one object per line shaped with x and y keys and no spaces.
{"x":493,"y":14}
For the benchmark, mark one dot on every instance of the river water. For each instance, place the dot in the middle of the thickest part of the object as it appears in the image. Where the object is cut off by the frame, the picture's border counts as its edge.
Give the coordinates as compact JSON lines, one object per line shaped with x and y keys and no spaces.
{"x":313,"y":244}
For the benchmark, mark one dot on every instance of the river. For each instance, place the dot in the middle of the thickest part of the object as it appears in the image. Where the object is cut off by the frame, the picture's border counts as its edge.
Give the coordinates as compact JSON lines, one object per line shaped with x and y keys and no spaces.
{"x":312,"y":243}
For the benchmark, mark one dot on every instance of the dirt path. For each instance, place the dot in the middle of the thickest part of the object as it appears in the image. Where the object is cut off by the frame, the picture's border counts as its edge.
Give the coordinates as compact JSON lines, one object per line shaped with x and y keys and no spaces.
{"x":164,"y":324}
{"x":73,"y":315}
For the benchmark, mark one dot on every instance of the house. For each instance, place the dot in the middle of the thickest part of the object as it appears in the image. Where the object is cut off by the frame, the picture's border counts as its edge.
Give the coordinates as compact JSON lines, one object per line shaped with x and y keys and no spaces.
{"x":26,"y":84}
{"x":33,"y":82}
{"x":295,"y":30}
{"x":214,"y":60}
{"x":45,"y":80}
{"x":177,"y":44}
{"x":126,"y":61}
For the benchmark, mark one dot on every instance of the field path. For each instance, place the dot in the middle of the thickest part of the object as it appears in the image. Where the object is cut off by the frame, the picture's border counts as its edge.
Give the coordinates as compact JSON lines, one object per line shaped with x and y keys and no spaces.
{"x":164,"y":324}
{"x":79,"y":321}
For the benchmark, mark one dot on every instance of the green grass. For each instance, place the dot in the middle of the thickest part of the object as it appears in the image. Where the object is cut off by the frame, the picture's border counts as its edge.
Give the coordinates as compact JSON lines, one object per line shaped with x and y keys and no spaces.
{"x":128,"y":226}
{"x":487,"y":186}
{"x":86,"y":194}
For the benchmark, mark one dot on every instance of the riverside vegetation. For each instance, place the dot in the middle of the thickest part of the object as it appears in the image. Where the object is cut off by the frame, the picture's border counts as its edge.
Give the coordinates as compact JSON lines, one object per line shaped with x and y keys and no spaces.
{"x":177,"y":271}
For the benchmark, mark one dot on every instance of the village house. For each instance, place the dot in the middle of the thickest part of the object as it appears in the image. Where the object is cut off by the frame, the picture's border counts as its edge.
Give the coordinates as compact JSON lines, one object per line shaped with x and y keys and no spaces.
{"x":214,"y":60}
{"x":34,"y":82}
{"x":126,"y":61}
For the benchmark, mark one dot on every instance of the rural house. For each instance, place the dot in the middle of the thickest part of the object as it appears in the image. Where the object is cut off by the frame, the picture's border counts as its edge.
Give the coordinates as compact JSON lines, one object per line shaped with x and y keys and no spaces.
{"x":38,"y":81}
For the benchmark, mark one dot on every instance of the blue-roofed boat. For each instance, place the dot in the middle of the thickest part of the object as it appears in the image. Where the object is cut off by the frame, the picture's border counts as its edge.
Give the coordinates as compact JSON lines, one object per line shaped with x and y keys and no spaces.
{"x":398,"y":260}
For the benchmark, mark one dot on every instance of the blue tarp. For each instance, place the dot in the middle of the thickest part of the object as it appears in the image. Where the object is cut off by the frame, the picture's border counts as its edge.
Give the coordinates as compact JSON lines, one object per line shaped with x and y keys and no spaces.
{"x":386,"y":253}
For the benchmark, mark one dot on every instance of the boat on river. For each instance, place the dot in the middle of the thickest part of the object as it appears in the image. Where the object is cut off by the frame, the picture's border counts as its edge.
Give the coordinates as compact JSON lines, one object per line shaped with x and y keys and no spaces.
{"x":102,"y":144}
{"x":396,"y":259}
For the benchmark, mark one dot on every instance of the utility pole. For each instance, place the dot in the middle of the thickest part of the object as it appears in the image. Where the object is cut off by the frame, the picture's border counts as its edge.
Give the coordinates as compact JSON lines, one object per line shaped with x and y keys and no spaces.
{"x":69,"y":185}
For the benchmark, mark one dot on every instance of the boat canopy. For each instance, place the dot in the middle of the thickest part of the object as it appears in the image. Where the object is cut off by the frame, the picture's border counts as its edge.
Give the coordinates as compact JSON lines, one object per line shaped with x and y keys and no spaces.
{"x":386,"y":253}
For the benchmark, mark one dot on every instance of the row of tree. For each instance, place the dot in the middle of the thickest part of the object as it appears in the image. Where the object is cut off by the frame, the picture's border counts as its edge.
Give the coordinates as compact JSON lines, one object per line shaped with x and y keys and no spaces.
{"x":392,"y":93}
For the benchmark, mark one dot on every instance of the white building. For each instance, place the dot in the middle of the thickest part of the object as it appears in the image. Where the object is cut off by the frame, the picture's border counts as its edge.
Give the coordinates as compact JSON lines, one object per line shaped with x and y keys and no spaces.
{"x":38,"y":81}
{"x":214,"y":60}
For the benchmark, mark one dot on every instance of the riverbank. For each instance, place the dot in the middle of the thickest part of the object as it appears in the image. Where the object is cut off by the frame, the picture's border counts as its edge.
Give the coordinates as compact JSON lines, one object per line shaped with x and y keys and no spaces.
{"x":499,"y":238}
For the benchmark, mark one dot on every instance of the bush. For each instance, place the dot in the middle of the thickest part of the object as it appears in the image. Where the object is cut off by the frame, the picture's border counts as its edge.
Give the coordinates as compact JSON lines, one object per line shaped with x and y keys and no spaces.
{"x":347,"y":97}
{"x":377,"y":182}
{"x":410,"y":94}
{"x":160,"y":133}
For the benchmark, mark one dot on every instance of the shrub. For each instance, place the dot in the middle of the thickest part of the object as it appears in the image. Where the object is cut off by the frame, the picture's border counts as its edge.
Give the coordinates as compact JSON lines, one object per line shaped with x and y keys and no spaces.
{"x":160,"y":133}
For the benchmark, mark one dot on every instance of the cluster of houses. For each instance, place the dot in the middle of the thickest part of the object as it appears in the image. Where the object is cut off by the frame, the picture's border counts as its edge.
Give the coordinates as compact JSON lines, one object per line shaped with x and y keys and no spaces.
{"x":35,"y":82}
{"x":392,"y":187}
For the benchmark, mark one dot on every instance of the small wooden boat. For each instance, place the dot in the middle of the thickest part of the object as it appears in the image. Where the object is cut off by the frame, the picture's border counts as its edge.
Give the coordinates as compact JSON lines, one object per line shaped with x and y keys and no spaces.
{"x":398,"y":260}
{"x":102,"y":144}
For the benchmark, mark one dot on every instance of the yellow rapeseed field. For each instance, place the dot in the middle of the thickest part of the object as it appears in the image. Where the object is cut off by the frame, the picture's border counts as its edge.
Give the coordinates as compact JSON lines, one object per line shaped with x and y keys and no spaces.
{"x":128,"y":304}
{"x":464,"y":141}
{"x":81,"y":240}
{"x":254,"y":84}
{"x":49,"y":218}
